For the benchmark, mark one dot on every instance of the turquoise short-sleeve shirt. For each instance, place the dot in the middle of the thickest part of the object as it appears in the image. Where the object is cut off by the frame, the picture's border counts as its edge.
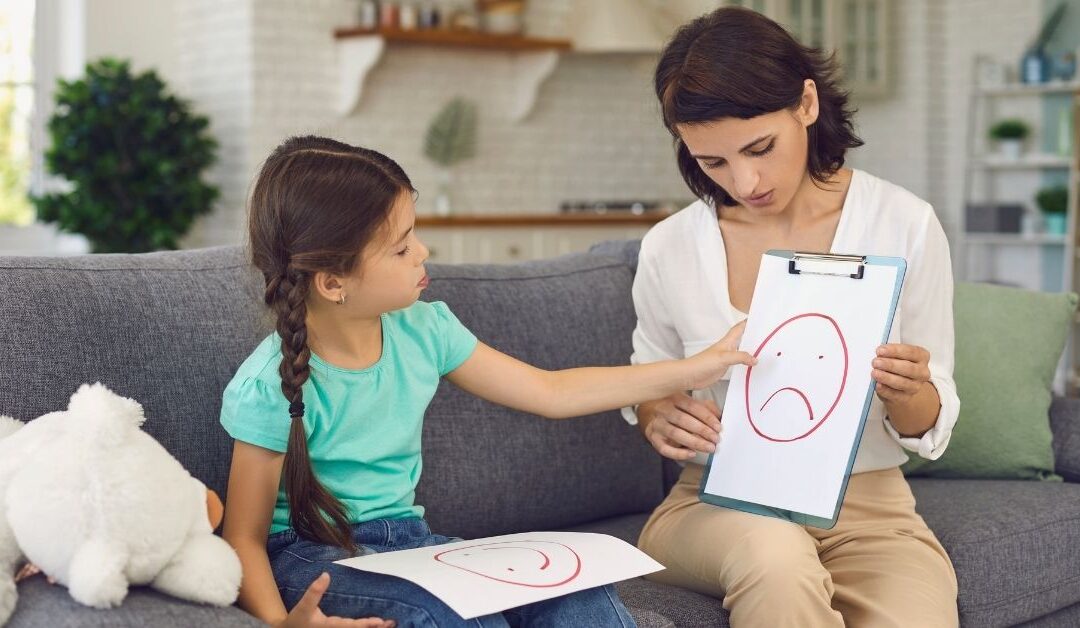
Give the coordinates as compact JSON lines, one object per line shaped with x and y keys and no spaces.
{"x":363,"y":426}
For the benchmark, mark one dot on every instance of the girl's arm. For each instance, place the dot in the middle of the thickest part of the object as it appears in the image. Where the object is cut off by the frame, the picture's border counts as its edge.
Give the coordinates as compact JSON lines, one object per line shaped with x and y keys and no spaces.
{"x":502,"y":379}
{"x":253,"y":489}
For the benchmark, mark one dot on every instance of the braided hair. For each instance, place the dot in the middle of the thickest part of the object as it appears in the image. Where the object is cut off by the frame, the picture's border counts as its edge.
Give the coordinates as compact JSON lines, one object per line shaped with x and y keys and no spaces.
{"x":316,"y":203}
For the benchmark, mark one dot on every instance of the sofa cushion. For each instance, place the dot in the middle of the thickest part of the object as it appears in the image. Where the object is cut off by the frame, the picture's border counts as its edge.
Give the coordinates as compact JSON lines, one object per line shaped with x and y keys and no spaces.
{"x":489,"y":470}
{"x":166,"y":329}
{"x":653,"y":604}
{"x":1015,"y":545}
{"x":1008,"y":344}
{"x":43,"y":605}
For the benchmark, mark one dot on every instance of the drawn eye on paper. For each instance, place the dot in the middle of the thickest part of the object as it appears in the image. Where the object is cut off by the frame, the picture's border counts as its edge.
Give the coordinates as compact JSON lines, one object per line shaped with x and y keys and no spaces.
{"x":525,"y":563}
{"x":799,"y":378}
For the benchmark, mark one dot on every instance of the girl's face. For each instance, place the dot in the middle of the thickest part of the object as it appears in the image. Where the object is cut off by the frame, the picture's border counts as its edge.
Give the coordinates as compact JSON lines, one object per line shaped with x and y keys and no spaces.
{"x":760,"y":162}
{"x":391,"y":273}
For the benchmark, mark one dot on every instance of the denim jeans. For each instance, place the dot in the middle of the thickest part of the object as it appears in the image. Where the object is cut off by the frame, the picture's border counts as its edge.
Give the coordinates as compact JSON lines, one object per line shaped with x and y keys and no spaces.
{"x":296,"y":562}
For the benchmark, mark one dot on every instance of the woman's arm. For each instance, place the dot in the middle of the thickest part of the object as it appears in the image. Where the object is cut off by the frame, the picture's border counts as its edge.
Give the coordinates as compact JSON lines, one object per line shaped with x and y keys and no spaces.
{"x":573,"y":392}
{"x":253,"y":488}
{"x":915,"y":376}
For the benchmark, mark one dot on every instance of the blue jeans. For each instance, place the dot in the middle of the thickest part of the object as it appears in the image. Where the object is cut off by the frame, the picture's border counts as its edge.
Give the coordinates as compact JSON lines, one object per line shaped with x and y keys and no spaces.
{"x":354,"y":593}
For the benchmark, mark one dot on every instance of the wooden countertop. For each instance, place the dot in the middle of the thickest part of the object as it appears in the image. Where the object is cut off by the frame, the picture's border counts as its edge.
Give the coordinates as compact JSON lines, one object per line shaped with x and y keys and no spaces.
{"x":613,"y":219}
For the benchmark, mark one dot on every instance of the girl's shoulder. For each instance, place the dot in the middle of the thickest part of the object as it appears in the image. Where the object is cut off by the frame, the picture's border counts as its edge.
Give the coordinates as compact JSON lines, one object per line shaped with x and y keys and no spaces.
{"x":263,"y":362}
{"x":421,"y":316}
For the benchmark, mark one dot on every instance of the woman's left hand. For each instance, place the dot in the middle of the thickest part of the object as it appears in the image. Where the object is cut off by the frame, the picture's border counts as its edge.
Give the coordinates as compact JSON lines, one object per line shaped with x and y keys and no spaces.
{"x":901,"y":371}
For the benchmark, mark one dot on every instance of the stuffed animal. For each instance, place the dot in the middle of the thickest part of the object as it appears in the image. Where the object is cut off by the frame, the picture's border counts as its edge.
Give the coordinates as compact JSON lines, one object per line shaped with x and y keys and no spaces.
{"x":98,"y":505}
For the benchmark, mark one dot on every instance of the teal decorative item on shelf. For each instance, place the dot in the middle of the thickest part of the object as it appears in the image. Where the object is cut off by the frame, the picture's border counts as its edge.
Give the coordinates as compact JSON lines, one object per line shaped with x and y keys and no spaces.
{"x":1054,"y":203}
{"x":134,"y":155}
{"x":1035,"y":65}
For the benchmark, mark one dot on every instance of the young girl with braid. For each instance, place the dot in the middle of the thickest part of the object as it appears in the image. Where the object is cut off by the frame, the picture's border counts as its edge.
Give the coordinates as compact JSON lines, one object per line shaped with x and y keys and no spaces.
{"x":326,"y":413}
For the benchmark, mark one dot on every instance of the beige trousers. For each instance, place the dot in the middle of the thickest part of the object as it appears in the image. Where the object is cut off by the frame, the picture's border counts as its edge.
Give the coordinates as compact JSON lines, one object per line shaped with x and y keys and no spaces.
{"x":879,"y":566}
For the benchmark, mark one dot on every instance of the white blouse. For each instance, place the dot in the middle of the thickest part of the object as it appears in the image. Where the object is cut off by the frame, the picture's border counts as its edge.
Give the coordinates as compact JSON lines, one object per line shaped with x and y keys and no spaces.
{"x":681,"y":298}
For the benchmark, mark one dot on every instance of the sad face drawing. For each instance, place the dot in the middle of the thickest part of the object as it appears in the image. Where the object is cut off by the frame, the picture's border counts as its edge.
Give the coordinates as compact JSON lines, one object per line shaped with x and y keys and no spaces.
{"x":538,"y":564}
{"x":799,"y":378}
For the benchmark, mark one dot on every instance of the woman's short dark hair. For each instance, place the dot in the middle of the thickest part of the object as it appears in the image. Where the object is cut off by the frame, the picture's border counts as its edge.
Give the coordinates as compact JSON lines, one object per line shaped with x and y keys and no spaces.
{"x":737,"y":63}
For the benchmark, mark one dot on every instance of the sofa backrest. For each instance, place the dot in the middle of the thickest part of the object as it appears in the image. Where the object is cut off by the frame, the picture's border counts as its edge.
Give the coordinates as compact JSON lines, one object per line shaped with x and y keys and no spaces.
{"x":169,"y":329}
{"x":166,"y":329}
{"x":489,"y":469}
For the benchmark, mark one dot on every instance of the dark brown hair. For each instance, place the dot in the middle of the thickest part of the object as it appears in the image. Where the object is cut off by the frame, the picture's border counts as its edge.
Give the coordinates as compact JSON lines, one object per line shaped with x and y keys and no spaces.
{"x":737,"y":63}
{"x":316,"y":203}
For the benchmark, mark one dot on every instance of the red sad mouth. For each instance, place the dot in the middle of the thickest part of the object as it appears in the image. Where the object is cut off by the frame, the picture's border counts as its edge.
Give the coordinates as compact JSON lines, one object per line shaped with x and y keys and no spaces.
{"x":798,"y":392}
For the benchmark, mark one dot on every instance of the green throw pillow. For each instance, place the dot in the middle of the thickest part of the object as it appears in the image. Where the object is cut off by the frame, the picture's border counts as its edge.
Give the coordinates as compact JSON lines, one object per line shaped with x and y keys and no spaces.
{"x":1008,"y":343}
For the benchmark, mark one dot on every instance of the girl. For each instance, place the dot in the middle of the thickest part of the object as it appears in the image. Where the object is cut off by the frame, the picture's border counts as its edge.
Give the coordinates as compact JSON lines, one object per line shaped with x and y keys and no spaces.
{"x":761,"y":128}
{"x":326,"y":412}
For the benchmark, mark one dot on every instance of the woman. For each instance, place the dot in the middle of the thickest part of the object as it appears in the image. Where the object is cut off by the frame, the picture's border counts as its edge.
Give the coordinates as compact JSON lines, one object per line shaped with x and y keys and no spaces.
{"x":761,"y":128}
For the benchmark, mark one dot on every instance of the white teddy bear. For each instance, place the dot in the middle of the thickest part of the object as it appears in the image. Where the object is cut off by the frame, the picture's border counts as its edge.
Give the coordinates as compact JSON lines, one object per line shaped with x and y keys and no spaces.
{"x":98,"y":505}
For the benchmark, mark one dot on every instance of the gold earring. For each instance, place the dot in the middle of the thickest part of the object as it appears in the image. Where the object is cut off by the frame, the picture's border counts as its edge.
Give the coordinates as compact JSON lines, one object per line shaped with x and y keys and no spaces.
{"x":341,"y":299}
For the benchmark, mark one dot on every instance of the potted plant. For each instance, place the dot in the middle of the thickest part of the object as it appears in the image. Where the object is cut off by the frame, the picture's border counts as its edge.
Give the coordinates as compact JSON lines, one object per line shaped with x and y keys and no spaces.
{"x":450,"y":138}
{"x":1010,"y":134}
{"x":1054,"y":203}
{"x":133,"y":155}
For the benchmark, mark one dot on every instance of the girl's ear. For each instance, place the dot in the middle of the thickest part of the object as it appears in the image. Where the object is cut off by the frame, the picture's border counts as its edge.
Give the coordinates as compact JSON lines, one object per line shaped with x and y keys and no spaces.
{"x":807,"y":109}
{"x":327,"y":286}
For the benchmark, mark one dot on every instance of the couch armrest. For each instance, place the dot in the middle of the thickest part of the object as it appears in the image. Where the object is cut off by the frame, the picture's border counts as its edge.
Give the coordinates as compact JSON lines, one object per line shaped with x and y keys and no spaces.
{"x":1065,"y":424}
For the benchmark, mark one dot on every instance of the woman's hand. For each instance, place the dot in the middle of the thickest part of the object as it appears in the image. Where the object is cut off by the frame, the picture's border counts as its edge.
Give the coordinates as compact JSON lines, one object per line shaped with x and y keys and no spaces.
{"x":901,"y":372}
{"x":710,"y":365}
{"x":679,"y":426}
{"x":307,"y":612}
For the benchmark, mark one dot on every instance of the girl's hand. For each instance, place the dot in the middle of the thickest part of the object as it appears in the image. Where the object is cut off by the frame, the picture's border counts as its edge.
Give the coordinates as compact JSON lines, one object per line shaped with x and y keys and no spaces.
{"x":901,"y":371}
{"x":679,"y":426}
{"x":711,"y":364}
{"x":29,"y":570}
{"x":307,"y":613}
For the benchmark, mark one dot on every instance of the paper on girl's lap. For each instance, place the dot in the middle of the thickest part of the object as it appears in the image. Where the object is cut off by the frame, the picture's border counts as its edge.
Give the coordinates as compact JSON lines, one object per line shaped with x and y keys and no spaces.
{"x":493,"y":574}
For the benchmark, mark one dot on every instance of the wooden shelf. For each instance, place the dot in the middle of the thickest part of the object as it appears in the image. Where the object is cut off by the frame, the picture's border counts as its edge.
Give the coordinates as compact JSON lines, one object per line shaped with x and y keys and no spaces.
{"x":1024,"y":89}
{"x":1026,"y":162}
{"x":1015,"y":239}
{"x":550,"y":220}
{"x":532,"y":60}
{"x":458,"y":39}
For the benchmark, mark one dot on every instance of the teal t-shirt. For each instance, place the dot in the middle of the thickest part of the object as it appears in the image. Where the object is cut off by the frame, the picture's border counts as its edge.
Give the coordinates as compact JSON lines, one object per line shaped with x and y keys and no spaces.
{"x":363,"y":426}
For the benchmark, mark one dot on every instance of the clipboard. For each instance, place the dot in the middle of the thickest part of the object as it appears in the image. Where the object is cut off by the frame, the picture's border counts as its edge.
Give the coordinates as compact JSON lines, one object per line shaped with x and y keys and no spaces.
{"x":833,"y":270}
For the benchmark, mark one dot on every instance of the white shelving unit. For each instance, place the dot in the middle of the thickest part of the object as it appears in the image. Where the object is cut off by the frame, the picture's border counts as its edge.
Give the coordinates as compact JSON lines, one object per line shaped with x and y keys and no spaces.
{"x":1032,"y":260}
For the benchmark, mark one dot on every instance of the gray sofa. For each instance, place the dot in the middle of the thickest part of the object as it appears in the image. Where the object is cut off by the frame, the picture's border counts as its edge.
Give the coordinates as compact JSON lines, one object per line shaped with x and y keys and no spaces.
{"x":169,"y":329}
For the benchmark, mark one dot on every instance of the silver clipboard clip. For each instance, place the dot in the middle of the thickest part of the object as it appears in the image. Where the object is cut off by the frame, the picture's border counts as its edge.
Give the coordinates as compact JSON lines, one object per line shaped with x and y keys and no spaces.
{"x":858,"y":261}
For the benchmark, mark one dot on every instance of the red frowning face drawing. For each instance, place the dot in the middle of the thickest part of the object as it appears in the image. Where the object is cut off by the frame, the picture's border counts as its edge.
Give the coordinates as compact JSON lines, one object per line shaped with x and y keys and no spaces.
{"x":806,"y":359}
{"x":538,"y":564}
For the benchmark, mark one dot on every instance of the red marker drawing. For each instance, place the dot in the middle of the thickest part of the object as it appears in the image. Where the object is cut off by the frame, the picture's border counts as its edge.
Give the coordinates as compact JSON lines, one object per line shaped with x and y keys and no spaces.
{"x":534,"y":564}
{"x":806,"y":344}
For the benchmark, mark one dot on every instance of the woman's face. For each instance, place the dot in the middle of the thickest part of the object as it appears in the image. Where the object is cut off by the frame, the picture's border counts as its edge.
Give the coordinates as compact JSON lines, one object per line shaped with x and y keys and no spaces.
{"x":760,"y":162}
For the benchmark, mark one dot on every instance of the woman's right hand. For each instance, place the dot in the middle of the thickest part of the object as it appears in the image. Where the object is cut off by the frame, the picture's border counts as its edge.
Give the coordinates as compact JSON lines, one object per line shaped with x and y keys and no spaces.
{"x":307,"y":613}
{"x":678,"y":426}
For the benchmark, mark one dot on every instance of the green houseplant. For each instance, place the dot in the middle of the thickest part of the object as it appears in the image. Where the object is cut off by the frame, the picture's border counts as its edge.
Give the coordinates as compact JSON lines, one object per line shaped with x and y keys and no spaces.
{"x":1054,"y":203}
{"x":451,"y":138}
{"x":1010,"y":134}
{"x":133,"y":154}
